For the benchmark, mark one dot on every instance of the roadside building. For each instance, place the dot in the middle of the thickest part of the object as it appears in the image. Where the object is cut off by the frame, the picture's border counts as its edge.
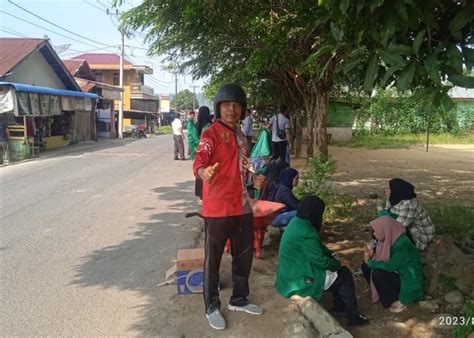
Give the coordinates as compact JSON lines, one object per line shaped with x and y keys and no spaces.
{"x":464,"y":100}
{"x":106,"y":118}
{"x":140,"y":104}
{"x":40,"y":101}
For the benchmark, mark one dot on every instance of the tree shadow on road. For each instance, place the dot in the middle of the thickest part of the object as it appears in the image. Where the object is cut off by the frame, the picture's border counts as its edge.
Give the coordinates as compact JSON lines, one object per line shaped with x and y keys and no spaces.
{"x":138,"y":264}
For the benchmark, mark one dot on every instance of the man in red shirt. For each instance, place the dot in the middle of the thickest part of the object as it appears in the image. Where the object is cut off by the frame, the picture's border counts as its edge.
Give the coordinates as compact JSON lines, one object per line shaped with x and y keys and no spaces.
{"x":222,"y":165}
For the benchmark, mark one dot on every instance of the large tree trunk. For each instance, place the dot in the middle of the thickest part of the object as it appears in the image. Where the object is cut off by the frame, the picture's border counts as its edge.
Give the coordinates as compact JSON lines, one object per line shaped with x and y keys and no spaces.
{"x":310,"y":139}
{"x":298,"y":122}
{"x":320,"y":123}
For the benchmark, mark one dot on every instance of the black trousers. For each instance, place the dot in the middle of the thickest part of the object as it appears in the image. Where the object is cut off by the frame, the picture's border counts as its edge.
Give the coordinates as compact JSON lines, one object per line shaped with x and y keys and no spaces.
{"x":386,"y":283}
{"x":239,"y":229}
{"x":344,"y":294}
{"x":279,"y":150}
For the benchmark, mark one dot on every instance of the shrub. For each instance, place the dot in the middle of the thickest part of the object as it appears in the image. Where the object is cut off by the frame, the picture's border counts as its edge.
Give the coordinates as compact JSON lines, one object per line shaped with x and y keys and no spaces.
{"x":314,"y":181}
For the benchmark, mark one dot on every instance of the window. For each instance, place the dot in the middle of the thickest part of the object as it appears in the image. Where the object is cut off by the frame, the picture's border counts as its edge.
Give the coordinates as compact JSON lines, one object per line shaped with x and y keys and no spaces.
{"x":116,"y":79}
{"x":99,"y":76}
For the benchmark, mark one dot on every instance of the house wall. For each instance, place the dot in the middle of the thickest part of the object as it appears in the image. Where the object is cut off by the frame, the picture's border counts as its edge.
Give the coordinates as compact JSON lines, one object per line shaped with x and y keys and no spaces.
{"x":35,"y":70}
{"x":128,"y":77}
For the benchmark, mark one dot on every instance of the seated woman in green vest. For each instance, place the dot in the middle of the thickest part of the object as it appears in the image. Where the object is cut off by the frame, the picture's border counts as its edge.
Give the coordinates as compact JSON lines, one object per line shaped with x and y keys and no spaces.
{"x":306,"y":267}
{"x":393,"y":268}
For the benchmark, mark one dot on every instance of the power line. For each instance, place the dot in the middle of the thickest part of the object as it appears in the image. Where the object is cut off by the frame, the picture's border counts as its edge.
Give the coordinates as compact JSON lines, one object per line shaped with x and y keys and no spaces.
{"x":52,"y":23}
{"x":100,"y":3}
{"x":49,"y":30}
{"x":95,"y":6}
{"x":12,"y":32}
{"x":72,"y":51}
{"x":162,"y":81}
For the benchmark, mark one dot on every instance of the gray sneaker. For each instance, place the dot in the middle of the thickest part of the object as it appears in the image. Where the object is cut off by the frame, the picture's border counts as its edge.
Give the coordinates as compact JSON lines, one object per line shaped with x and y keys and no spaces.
{"x":249,"y":308}
{"x":216,"y":321}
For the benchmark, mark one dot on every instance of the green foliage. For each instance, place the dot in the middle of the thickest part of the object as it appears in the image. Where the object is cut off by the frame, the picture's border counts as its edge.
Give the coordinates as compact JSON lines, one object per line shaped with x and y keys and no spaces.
{"x":340,"y":115}
{"x":463,"y":331}
{"x":392,"y":114}
{"x":295,"y":51}
{"x":447,"y":282}
{"x":314,"y":181}
{"x":164,"y":130}
{"x":456,"y":220}
{"x":377,"y":141}
{"x":185,"y":100}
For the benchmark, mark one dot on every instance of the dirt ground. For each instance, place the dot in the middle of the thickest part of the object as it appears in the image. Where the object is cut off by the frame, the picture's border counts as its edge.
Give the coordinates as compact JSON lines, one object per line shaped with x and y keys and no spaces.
{"x":445,"y":173}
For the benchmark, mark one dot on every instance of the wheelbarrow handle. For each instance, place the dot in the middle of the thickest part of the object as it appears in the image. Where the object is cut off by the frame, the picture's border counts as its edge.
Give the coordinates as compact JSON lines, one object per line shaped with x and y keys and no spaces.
{"x":192,"y":214}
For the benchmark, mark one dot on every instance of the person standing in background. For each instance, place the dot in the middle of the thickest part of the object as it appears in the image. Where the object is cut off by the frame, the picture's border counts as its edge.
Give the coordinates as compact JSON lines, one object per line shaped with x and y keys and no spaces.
{"x":4,"y":137}
{"x":204,"y":120}
{"x":280,"y":133}
{"x":178,"y":136}
{"x":247,"y":129}
{"x":193,"y":138}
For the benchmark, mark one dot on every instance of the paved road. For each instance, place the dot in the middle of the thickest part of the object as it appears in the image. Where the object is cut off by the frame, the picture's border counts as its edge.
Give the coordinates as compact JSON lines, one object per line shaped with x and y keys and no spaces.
{"x":86,"y":236}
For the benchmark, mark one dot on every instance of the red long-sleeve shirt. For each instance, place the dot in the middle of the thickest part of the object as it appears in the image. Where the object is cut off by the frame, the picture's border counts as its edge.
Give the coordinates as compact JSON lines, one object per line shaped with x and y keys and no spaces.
{"x":226,"y":194}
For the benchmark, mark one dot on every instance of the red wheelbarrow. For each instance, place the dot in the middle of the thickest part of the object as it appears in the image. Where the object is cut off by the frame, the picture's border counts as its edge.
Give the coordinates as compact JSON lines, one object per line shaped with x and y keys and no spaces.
{"x":263,"y":214}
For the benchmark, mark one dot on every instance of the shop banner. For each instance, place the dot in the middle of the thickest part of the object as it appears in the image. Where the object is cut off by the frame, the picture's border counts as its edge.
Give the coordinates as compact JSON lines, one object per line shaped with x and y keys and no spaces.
{"x":45,"y":101}
{"x":35,"y":104}
{"x":23,"y":103}
{"x":7,"y":103}
{"x":67,"y":103}
{"x":80,"y":103}
{"x":55,"y":105}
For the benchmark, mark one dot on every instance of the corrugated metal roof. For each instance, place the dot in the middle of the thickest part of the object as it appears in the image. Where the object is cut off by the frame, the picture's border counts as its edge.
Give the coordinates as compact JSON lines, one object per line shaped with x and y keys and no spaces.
{"x":15,"y":50}
{"x":73,"y":65}
{"x":91,"y":84}
{"x":102,"y":59}
{"x":47,"y":90}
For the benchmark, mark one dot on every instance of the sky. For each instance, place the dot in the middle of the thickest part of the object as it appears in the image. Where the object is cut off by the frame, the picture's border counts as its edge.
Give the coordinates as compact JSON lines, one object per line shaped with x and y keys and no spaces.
{"x":89,"y":20}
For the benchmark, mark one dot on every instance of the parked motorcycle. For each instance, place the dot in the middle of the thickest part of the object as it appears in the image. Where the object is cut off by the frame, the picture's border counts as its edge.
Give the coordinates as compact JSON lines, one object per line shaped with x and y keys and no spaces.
{"x":138,"y":131}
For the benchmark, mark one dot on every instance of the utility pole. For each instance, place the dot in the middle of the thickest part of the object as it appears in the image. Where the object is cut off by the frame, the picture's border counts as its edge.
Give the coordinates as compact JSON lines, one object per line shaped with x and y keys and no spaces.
{"x":122,"y":56}
{"x":194,"y":97}
{"x":120,"y":116}
{"x":176,"y":91}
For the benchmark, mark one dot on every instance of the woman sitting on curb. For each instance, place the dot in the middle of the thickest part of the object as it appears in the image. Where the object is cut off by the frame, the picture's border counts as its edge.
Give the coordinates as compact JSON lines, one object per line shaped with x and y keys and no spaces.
{"x":394,"y":270}
{"x":289,"y":179}
{"x":272,"y":174}
{"x":306,"y":267}
{"x":403,"y":205}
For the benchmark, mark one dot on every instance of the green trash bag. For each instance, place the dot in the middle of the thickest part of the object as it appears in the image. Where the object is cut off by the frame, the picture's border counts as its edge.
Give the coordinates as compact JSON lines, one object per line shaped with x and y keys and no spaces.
{"x":263,"y":146}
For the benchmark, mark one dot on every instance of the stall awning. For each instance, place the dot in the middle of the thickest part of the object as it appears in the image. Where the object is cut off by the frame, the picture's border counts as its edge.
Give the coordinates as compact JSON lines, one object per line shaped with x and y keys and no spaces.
{"x":47,"y":90}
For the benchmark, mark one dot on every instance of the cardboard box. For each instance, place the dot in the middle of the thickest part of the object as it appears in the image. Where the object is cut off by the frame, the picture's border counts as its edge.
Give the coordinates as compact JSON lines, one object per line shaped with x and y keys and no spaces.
{"x":189,"y":271}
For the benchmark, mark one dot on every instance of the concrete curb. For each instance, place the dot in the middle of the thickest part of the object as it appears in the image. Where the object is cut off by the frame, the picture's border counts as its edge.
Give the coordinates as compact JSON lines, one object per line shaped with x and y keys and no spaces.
{"x":319,"y":318}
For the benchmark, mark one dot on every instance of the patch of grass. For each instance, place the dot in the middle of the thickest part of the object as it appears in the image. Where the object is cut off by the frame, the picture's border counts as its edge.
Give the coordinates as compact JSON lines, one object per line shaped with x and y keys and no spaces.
{"x":455,"y":220}
{"x":402,"y":140}
{"x":463,"y":331}
{"x":164,"y":130}
{"x":447,"y":282}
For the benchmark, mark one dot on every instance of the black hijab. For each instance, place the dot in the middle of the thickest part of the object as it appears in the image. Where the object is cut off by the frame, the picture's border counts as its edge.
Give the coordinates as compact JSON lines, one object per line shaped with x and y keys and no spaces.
{"x":312,"y":209}
{"x":204,"y":118}
{"x":274,"y":168}
{"x":400,"y":190}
